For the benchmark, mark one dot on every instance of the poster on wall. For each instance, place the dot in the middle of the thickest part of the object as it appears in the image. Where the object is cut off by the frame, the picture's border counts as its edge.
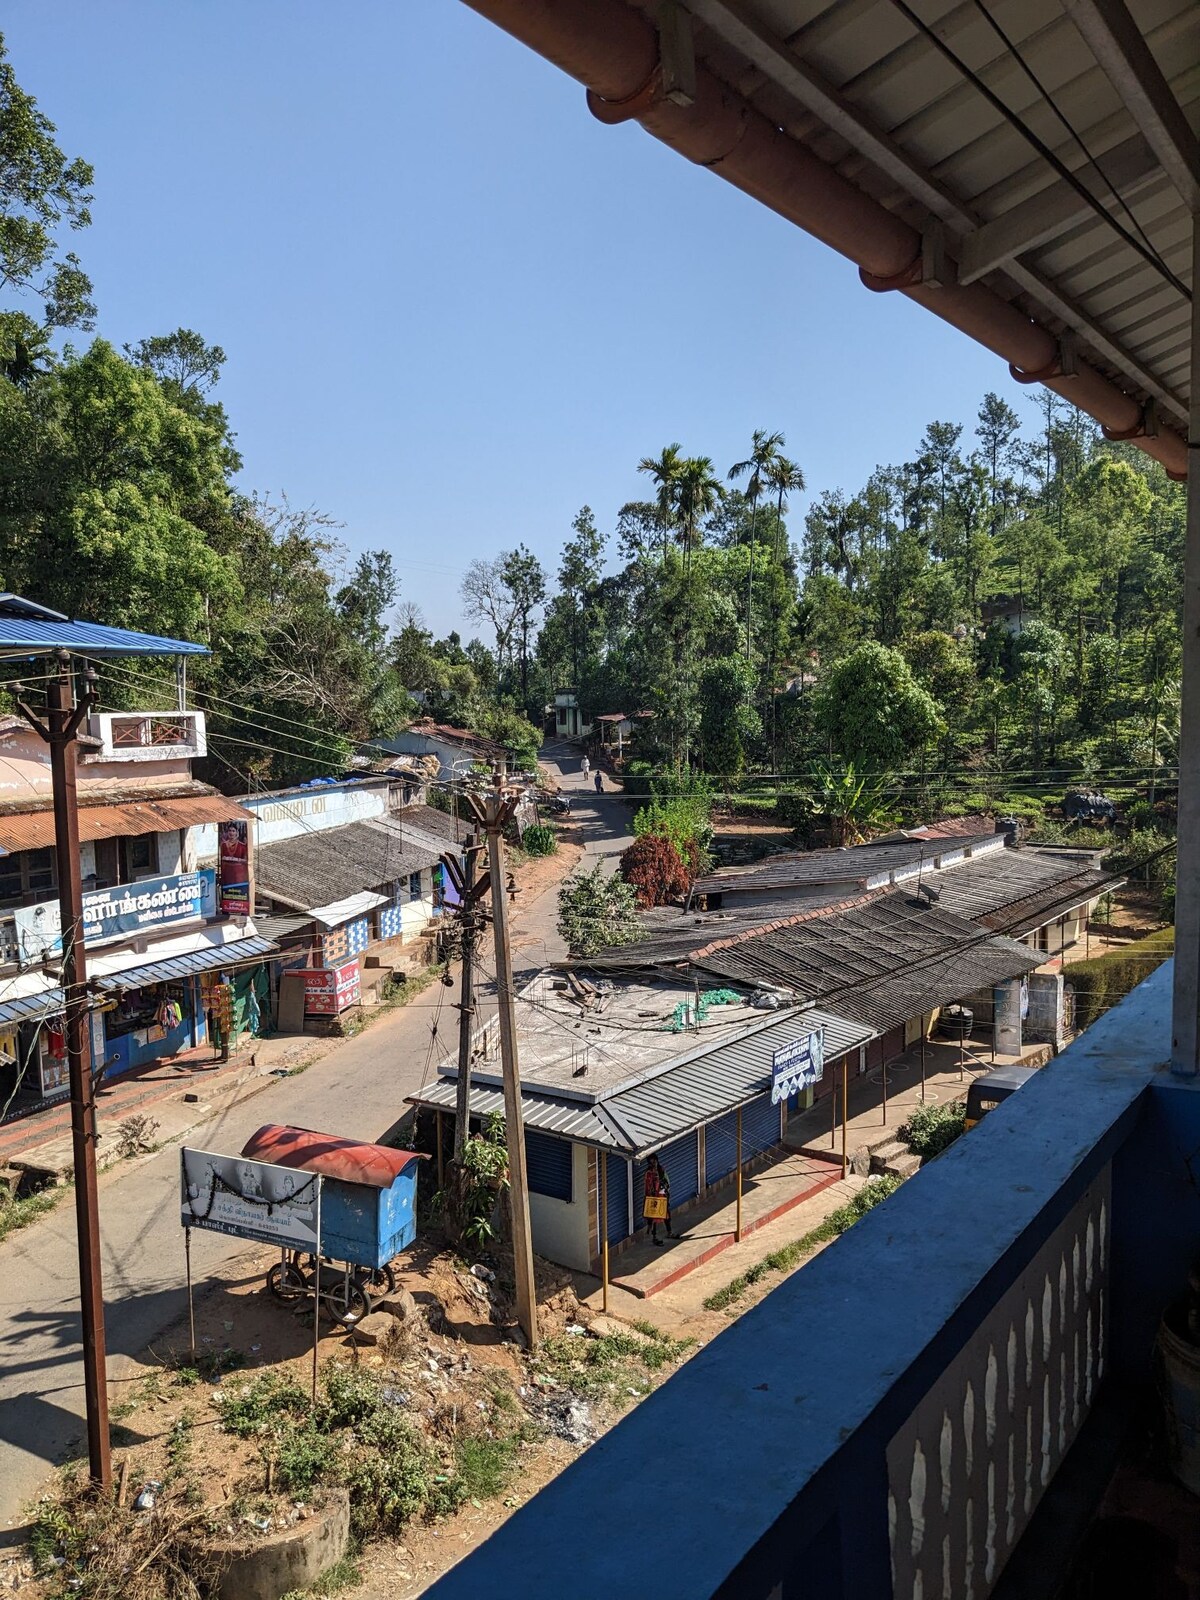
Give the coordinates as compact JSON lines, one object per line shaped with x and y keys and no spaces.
{"x":329,"y":990}
{"x":111,"y":913}
{"x":249,"y":1199}
{"x":797,"y":1065}
{"x":234,"y":868}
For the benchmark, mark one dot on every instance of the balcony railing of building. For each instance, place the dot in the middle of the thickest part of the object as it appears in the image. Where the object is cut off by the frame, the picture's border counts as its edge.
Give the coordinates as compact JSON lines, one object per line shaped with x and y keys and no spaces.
{"x":143,"y":735}
{"x":894,"y":1418}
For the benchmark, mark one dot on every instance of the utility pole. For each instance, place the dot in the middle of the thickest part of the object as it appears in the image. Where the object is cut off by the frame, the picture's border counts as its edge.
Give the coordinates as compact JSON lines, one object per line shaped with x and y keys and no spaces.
{"x":59,"y":730}
{"x":469,"y":893}
{"x":498,"y":813}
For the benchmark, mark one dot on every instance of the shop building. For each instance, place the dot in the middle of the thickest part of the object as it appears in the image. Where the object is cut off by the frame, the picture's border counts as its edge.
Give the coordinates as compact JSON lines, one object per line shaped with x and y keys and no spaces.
{"x":348,"y":880}
{"x":647,"y":1073}
{"x":167,"y":923}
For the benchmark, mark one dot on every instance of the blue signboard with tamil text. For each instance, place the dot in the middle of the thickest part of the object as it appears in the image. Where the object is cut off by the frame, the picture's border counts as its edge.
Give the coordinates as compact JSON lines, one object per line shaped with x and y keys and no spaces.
{"x":114,"y":913}
{"x":797,"y":1065}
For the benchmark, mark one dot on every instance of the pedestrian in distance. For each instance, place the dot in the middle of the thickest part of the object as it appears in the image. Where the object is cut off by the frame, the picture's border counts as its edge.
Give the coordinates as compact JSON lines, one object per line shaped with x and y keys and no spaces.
{"x":599,"y":781}
{"x":656,"y":1204}
{"x":585,"y":766}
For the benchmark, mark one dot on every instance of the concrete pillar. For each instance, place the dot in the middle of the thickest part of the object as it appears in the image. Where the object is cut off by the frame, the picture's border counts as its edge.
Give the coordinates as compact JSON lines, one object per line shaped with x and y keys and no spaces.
{"x":1008,"y":1017}
{"x":1185,"y":1020}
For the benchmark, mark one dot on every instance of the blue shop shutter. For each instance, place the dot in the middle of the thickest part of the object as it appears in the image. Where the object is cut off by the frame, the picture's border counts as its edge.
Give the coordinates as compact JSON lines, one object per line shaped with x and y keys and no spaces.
{"x":760,"y":1126}
{"x":720,"y":1147}
{"x":680,"y":1161}
{"x":618,"y":1198}
{"x":549,"y":1164}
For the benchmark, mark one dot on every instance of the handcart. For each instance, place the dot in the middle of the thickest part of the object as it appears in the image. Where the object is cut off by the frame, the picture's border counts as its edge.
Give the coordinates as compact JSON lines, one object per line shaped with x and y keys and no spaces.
{"x":368,"y":1216}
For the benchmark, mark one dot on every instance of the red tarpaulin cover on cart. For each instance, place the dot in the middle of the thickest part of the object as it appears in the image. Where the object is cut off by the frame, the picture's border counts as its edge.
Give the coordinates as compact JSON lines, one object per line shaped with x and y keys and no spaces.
{"x":333,"y":1157}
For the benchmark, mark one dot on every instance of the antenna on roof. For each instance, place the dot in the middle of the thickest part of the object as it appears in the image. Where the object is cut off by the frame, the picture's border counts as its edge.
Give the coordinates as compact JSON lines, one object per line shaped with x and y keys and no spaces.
{"x":929,"y":893}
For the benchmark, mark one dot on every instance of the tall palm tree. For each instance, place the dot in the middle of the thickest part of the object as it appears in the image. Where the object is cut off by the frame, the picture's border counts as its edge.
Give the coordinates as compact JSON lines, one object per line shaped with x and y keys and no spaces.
{"x":665,"y":474}
{"x":764,"y":452}
{"x":785,"y":477}
{"x":698,"y":491}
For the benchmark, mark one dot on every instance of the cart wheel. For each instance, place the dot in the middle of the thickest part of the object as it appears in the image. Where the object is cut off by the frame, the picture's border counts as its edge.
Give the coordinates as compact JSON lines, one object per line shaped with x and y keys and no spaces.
{"x":285,"y":1281}
{"x":382,"y":1278}
{"x":348,"y":1303}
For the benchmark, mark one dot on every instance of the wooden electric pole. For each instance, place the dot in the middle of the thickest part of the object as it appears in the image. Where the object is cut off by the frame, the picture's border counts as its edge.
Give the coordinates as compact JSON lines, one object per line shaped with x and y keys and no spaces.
{"x":466,"y":1010}
{"x":498,"y":813}
{"x":59,"y":730}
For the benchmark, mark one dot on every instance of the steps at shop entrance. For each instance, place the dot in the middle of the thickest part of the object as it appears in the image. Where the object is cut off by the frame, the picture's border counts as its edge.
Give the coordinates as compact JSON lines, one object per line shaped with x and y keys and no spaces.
{"x":894,"y":1159}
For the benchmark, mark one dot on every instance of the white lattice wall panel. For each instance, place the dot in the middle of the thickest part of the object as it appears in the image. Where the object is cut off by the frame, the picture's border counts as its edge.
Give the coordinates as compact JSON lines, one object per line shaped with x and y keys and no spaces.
{"x":968,"y":1468}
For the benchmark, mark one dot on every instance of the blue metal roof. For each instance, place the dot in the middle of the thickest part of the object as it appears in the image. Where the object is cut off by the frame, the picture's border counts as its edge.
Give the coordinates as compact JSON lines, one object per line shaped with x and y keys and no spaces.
{"x":223,"y":955}
{"x":27,"y":629}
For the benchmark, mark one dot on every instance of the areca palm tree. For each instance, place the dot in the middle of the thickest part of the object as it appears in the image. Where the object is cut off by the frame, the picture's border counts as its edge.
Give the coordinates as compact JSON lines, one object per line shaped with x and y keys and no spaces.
{"x":784,"y":477}
{"x":697,"y":493}
{"x":665,"y":474}
{"x":765,"y":451}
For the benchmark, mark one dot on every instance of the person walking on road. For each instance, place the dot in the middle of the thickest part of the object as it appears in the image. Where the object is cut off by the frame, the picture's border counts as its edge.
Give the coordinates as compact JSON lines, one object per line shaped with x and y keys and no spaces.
{"x":599,"y":781}
{"x":585,"y":766}
{"x":656,"y":1205}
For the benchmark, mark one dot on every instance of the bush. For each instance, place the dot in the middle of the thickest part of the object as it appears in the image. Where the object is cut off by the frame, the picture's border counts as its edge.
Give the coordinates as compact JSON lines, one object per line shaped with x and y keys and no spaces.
{"x":540,"y":840}
{"x":796,"y":811}
{"x":653,"y":866}
{"x":1103,"y":980}
{"x":932,"y":1129}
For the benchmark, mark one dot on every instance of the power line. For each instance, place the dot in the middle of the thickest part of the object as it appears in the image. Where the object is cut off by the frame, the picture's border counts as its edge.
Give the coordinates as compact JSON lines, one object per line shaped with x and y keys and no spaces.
{"x":1065,"y":173}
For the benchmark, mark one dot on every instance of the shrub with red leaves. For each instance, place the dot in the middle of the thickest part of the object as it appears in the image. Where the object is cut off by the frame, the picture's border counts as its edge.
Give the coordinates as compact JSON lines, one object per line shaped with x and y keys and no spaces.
{"x":655,"y":869}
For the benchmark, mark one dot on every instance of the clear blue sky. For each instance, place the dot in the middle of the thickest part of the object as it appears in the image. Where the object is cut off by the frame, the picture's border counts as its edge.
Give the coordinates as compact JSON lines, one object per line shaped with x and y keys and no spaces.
{"x":455,"y":307}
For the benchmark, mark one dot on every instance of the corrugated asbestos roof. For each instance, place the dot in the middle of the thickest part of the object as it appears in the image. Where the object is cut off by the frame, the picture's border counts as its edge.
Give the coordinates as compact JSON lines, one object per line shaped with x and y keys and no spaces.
{"x":675,"y":1099}
{"x":936,"y":982}
{"x":34,"y":830}
{"x":320,"y":867}
{"x":864,"y":864}
{"x":995,"y":889}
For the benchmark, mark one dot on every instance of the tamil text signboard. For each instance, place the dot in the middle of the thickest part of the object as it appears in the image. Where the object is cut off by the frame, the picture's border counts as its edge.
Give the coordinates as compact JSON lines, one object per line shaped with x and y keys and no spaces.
{"x":330,"y":990}
{"x":797,"y":1065}
{"x":115,"y":913}
{"x":249,"y":1199}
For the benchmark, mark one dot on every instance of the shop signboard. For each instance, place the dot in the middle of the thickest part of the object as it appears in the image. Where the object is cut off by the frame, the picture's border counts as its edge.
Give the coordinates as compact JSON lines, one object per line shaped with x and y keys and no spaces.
{"x":114,"y":913}
{"x":249,"y":1199}
{"x":797,"y":1065}
{"x":329,"y":990}
{"x":234,"y":868}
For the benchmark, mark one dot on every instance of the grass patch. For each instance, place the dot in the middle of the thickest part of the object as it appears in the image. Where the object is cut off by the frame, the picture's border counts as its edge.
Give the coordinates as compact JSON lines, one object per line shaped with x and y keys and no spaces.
{"x":398,"y":994}
{"x":790,"y":1255}
{"x":16,"y":1214}
{"x":593,"y":1368}
{"x":345,"y":1575}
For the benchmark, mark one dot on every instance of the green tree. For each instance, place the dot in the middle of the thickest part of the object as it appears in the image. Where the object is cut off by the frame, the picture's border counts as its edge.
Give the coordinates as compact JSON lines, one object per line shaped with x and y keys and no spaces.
{"x":729,"y":725}
{"x":873,"y":711}
{"x":596,"y":909}
{"x":42,"y":194}
{"x":766,"y":452}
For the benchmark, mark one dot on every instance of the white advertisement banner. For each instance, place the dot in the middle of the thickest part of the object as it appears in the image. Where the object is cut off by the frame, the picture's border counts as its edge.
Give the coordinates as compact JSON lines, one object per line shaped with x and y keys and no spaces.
{"x":249,"y":1199}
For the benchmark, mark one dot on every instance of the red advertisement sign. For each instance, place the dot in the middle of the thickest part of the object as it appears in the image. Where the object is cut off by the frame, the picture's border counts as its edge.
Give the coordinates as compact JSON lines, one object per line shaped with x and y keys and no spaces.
{"x":329,"y":990}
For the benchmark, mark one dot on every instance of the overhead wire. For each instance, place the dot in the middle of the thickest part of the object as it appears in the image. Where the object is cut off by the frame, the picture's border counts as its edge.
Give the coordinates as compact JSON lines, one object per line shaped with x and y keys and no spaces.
{"x":1149,"y":255}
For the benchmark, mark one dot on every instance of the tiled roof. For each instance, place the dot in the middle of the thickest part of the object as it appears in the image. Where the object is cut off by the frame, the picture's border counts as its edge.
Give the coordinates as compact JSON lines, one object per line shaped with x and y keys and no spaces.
{"x":866,"y":864}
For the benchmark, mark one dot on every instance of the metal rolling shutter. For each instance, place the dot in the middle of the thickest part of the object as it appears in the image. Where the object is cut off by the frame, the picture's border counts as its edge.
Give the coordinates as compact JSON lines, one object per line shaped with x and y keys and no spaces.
{"x":549,"y":1164}
{"x":618,"y":1198}
{"x":760,"y":1126}
{"x":681,"y":1161}
{"x":720,"y":1147}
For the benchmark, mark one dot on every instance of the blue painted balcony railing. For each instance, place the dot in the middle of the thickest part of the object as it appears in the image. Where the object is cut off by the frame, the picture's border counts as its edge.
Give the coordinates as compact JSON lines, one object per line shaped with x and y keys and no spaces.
{"x":886,"y":1422}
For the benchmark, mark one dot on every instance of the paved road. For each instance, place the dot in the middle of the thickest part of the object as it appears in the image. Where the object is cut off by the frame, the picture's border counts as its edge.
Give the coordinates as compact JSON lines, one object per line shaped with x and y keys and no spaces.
{"x":358,"y":1089}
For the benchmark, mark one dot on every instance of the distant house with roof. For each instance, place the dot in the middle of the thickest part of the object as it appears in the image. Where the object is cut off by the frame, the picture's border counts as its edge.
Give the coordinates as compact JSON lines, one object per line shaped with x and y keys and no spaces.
{"x":457,"y":749}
